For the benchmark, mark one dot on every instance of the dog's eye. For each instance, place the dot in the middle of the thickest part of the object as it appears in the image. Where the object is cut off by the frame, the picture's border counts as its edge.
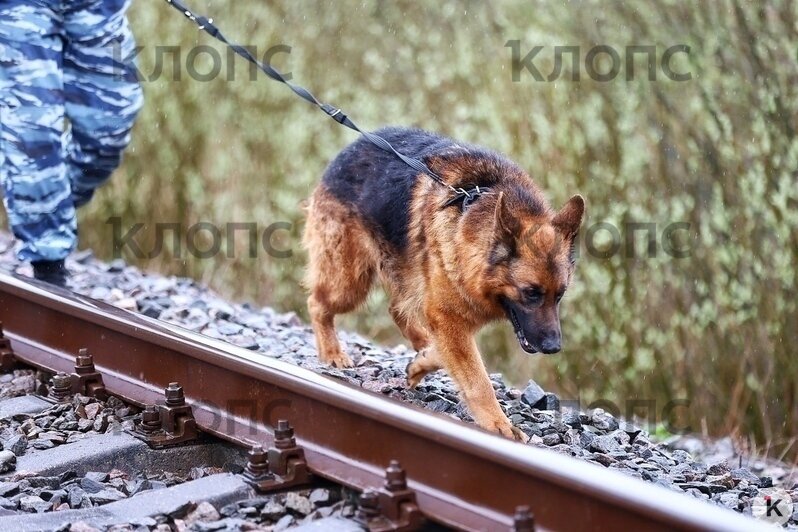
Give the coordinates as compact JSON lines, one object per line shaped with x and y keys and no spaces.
{"x":533,"y":295}
{"x":559,"y":295}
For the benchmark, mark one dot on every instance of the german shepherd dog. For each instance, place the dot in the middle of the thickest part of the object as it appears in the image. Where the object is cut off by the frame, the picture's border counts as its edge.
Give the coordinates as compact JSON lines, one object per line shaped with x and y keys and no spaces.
{"x":449,"y":268}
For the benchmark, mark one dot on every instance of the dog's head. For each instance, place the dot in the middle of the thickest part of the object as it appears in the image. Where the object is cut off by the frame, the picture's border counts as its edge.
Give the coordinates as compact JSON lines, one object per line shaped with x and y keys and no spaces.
{"x":533,"y":257}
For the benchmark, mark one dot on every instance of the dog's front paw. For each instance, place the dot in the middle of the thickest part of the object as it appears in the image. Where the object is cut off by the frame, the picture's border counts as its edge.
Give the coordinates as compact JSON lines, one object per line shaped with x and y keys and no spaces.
{"x":506,"y":429}
{"x":338,"y":360}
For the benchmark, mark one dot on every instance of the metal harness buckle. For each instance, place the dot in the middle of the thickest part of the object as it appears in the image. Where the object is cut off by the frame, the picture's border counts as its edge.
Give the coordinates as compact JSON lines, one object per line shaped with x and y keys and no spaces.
{"x":466,"y":196}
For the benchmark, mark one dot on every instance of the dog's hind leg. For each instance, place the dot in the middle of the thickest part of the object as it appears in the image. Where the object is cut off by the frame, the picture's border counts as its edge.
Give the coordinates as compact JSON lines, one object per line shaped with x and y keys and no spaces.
{"x":426,"y":360}
{"x":415,"y":333}
{"x":340,"y":271}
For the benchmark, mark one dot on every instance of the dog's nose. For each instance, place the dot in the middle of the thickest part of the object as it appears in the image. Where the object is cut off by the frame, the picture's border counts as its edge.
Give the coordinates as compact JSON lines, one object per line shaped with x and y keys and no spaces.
{"x":550,"y":344}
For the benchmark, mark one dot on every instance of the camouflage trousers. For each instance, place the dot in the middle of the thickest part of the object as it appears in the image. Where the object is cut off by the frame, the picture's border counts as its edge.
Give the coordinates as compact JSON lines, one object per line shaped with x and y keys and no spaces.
{"x":68,"y":101}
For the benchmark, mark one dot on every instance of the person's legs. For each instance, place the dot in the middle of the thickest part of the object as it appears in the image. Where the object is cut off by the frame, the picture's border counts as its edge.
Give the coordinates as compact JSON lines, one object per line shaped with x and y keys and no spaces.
{"x":103,"y":94}
{"x":37,"y":194}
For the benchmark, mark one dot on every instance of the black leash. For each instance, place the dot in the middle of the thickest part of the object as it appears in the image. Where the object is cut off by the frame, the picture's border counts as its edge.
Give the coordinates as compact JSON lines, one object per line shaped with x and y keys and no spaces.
{"x":335,"y":113}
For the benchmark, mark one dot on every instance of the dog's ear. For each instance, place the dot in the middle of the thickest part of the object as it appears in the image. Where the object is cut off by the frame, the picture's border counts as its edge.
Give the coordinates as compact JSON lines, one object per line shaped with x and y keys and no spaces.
{"x":506,"y":227}
{"x":569,"y":219}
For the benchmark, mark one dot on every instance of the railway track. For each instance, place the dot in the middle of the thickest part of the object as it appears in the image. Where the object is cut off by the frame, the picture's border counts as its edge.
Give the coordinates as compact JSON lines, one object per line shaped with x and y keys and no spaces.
{"x":413,"y":466}
{"x":72,"y":464}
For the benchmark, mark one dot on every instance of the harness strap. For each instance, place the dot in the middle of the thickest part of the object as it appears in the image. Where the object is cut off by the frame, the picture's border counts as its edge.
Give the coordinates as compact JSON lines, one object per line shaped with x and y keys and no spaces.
{"x":335,"y":113}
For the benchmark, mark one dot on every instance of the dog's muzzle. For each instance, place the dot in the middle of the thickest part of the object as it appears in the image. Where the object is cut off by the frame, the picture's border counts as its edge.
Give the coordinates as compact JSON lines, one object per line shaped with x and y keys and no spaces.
{"x":526,"y":345}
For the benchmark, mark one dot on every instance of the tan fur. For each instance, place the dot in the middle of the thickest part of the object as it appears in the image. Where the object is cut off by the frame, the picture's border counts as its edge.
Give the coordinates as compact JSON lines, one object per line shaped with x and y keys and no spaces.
{"x":443,"y":288}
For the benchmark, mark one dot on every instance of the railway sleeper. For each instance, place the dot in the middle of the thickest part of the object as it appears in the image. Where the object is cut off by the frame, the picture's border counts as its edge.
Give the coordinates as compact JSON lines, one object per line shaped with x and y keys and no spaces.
{"x":218,"y":490}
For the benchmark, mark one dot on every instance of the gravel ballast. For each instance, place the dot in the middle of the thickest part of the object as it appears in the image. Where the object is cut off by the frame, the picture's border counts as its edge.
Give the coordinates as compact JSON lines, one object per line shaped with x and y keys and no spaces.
{"x":595,"y":436}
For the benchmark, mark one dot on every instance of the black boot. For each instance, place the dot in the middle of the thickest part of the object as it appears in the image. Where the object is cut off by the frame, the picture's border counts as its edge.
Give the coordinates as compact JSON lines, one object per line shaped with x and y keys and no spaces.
{"x":53,"y":272}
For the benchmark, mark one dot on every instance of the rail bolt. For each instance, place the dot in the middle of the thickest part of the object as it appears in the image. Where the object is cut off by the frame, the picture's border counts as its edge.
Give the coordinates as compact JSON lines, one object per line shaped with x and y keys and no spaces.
{"x":61,"y":390}
{"x":258,"y":463}
{"x":284,"y":435}
{"x":174,"y":395}
{"x":368,"y":506}
{"x":523,"y":521}
{"x":84,"y":362}
{"x":150,"y":419}
{"x":395,"y":477}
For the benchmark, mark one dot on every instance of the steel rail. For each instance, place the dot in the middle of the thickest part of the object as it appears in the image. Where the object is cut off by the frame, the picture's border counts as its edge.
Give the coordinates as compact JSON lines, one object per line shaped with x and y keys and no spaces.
{"x":463,"y":477}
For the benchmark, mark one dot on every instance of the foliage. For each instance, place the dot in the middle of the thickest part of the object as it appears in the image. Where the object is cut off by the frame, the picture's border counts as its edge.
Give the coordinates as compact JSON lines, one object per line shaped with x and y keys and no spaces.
{"x":718,"y":151}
